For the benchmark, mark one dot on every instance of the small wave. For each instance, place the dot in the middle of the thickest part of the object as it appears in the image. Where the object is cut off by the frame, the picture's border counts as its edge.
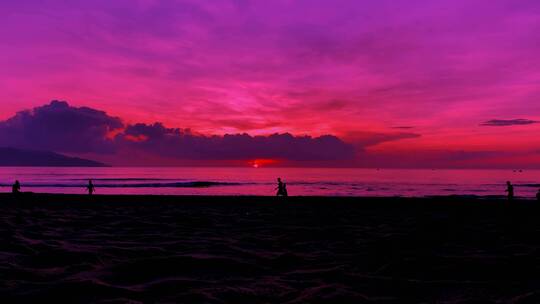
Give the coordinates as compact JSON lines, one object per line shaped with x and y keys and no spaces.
{"x":529,"y":185}
{"x":196,"y":184}
{"x":134,"y":179}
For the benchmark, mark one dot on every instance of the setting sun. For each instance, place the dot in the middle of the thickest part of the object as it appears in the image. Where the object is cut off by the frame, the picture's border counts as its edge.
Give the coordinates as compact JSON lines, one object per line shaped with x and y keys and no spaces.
{"x":257,"y":163}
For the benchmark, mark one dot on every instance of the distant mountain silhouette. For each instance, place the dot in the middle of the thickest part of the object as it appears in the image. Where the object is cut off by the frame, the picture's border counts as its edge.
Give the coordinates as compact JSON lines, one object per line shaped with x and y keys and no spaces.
{"x":12,"y":157}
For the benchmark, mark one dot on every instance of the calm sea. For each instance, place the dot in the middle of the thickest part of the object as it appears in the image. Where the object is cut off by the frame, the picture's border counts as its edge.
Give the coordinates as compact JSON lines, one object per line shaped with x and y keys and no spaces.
{"x":261,"y":181}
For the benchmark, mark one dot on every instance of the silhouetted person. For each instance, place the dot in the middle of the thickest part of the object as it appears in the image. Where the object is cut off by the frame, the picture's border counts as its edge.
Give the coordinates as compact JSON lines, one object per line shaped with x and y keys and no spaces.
{"x":538,"y":195}
{"x":16,"y":189}
{"x":510,"y":190}
{"x":281,"y":188}
{"x":285,"y":193}
{"x":91,"y":189}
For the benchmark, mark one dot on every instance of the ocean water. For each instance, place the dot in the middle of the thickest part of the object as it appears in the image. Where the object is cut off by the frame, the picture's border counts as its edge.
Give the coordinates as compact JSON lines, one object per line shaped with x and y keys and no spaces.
{"x":262,"y":181}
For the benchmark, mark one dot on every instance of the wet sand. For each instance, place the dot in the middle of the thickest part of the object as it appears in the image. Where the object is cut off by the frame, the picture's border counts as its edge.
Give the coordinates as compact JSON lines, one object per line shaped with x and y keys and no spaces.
{"x":118,"y":249}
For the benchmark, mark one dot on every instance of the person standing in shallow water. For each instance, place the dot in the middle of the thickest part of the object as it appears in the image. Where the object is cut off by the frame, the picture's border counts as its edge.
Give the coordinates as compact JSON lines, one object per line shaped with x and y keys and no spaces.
{"x":16,"y":189}
{"x":510,"y":190}
{"x":91,"y":189}
{"x":281,"y":188}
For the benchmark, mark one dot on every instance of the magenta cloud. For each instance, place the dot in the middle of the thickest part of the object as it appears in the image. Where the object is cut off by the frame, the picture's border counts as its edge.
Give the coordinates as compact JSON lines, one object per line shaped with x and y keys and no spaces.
{"x":275,"y":67}
{"x":195,"y":63}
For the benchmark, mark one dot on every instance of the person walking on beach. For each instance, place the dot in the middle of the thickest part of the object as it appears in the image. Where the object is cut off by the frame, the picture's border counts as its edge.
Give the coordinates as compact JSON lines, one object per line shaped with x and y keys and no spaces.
{"x":16,"y":188}
{"x":510,"y":190}
{"x":281,"y":188}
{"x":91,"y":189}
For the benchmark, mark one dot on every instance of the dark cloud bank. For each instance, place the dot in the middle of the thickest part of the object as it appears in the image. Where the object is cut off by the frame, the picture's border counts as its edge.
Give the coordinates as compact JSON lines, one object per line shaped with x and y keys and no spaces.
{"x":83,"y":131}
{"x":178,"y":143}
{"x":62,"y":128}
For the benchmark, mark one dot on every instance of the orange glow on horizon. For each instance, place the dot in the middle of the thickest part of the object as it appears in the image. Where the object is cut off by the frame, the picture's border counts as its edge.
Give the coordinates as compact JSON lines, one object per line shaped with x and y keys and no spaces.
{"x":257,"y":163}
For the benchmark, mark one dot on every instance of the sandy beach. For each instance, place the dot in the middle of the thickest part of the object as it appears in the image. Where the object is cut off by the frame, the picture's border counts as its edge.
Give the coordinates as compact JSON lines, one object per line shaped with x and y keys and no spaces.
{"x":199,"y":249}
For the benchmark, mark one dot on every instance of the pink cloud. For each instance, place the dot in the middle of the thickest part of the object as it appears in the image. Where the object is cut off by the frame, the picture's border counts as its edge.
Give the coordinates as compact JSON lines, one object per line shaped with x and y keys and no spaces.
{"x":304,"y":67}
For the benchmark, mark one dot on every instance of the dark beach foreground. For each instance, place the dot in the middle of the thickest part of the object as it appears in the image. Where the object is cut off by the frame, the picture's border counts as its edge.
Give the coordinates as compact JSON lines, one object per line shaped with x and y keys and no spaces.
{"x":118,"y":249}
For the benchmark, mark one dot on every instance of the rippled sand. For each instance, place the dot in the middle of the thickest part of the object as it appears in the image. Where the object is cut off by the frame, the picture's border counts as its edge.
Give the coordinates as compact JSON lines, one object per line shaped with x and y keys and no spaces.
{"x":263,"y":250}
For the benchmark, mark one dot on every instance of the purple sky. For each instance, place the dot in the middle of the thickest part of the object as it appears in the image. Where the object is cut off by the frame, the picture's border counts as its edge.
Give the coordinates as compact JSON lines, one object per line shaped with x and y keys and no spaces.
{"x":404,"y":82}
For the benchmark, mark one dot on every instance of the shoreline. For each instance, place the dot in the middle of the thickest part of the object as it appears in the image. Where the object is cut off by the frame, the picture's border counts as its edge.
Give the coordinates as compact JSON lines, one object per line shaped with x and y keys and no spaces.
{"x":167,"y":197}
{"x":73,"y":200}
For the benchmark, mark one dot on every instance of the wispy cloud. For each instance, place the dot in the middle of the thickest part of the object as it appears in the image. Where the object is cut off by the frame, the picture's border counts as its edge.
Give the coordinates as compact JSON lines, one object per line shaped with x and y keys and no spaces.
{"x":508,"y":122}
